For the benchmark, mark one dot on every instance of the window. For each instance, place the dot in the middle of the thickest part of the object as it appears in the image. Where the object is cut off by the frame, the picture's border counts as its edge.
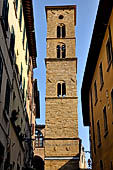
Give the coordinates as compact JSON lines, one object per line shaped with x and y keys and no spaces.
{"x":101,"y":75}
{"x":95,"y":91}
{"x":23,"y":36}
{"x":101,"y":165}
{"x":26,"y":52}
{"x":61,"y":89}
{"x":109,"y":47}
{"x":7,"y":98}
{"x":61,"y":17}
{"x":1,"y":69}
{"x":5,"y":13}
{"x":21,"y":76}
{"x":108,"y":50}
{"x":12,"y":44}
{"x":105,"y":120}
{"x":58,"y":31}
{"x":112,"y":99}
{"x":58,"y":89}
{"x":38,"y":139}
{"x":23,"y":89}
{"x":20,"y":17}
{"x":61,"y":51}
{"x":16,"y":5}
{"x":61,"y":31}
{"x":58,"y":51}
{"x":98,"y":133}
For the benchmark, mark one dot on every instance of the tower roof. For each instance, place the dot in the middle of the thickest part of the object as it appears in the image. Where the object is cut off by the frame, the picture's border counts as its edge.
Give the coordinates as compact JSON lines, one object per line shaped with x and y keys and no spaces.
{"x":62,"y":7}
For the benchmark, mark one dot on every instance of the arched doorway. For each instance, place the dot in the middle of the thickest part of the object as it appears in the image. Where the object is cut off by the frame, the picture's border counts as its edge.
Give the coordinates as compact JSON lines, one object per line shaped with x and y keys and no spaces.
{"x":38,"y":163}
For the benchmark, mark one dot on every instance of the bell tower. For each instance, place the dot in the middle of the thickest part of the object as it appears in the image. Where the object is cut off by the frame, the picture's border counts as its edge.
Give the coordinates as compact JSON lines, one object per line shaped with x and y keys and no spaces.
{"x":61,"y":126}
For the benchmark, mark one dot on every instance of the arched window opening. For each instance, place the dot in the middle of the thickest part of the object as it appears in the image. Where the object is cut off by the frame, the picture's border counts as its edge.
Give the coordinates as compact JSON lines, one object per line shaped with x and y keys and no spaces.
{"x":58,"y":51}
{"x":63,"y":31}
{"x":58,"y":32}
{"x":59,"y":89}
{"x":38,"y":139}
{"x":63,"y":89}
{"x":63,"y":51}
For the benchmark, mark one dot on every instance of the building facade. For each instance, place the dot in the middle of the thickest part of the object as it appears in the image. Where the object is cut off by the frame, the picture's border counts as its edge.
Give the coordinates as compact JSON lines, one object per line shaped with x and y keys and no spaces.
{"x":97,"y":89}
{"x":61,"y":140}
{"x":17,"y":60}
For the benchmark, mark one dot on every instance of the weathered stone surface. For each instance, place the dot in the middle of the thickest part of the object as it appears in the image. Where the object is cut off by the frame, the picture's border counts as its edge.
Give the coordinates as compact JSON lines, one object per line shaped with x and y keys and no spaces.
{"x":61,"y":127}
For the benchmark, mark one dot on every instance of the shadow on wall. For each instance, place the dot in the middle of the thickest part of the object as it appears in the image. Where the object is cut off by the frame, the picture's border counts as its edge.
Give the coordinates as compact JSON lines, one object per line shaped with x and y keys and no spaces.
{"x":73,"y":164}
{"x":38,"y":163}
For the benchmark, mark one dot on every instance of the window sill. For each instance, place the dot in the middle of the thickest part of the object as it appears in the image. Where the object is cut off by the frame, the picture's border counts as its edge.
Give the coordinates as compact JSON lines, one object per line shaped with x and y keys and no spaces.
{"x":106,"y":133}
{"x":109,"y":65}
{"x":102,"y":84}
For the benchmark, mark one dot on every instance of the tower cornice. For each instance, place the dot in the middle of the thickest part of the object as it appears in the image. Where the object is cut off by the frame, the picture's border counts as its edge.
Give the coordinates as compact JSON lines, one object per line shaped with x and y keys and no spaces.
{"x":62,"y":7}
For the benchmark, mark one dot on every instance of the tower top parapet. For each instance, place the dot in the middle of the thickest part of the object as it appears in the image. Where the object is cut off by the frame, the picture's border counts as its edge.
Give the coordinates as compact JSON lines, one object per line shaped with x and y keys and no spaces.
{"x":65,"y":7}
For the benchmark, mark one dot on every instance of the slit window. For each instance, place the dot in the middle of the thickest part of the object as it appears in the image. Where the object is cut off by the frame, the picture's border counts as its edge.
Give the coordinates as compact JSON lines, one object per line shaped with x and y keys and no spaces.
{"x":63,"y":89}
{"x":1,"y":70}
{"x":101,"y":74}
{"x":7,"y":98}
{"x":58,"y":51}
{"x":101,"y":165}
{"x":98,"y":133}
{"x":59,"y":89}
{"x":63,"y":51}
{"x":109,"y":47}
{"x":20,"y":17}
{"x":63,"y":31}
{"x":105,"y":120}
{"x":58,"y":32}
{"x":12,"y":44}
{"x":95,"y":91}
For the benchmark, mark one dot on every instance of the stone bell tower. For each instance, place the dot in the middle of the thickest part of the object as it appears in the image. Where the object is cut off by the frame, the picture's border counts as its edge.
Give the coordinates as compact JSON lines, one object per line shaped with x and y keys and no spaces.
{"x":61,"y":126}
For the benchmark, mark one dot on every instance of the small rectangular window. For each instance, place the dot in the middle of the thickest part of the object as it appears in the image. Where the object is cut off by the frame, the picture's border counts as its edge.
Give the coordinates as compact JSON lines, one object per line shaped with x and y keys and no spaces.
{"x":5,"y":11}
{"x":58,"y":51}
{"x":101,"y":74}
{"x":108,"y":50}
{"x":98,"y":133}
{"x":58,"y":31}
{"x":23,"y":40}
{"x":58,"y":89}
{"x":105,"y":120}
{"x":101,"y":165}
{"x":95,"y":91}
{"x":63,"y":89}
{"x":1,"y":69}
{"x":63,"y":51}
{"x":7,"y":98}
{"x":20,"y":17}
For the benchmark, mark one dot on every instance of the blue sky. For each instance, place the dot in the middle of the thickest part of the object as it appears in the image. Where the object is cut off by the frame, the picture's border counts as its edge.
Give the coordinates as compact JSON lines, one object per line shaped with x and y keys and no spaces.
{"x":85,"y":18}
